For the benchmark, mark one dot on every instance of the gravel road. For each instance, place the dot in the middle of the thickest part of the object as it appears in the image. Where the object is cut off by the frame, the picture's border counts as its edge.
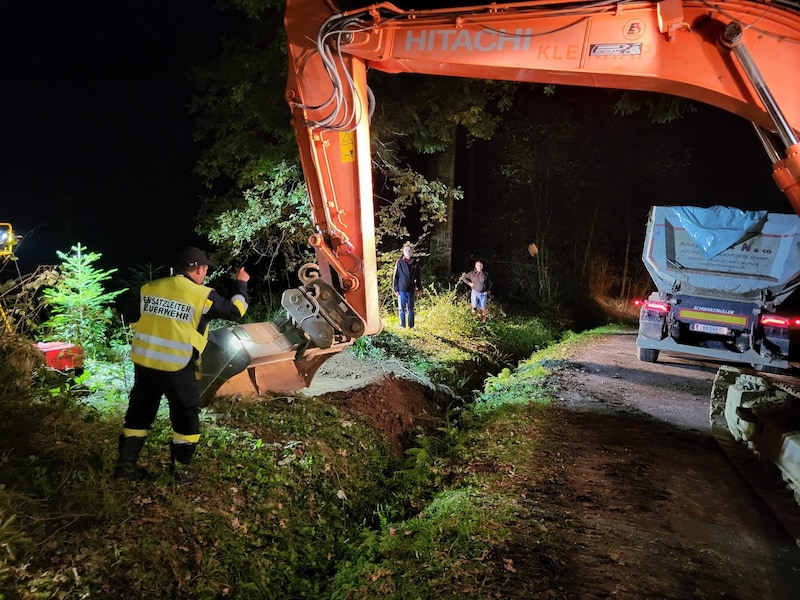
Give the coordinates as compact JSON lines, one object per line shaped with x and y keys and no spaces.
{"x":659,"y":510}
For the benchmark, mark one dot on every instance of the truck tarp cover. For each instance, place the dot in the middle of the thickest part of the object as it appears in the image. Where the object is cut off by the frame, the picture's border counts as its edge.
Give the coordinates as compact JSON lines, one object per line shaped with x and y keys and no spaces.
{"x":723,"y":252}
{"x":718,"y":228}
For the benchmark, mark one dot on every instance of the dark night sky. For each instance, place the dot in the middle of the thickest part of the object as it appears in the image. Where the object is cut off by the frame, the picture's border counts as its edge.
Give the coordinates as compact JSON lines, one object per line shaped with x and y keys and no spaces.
{"x":96,"y":139}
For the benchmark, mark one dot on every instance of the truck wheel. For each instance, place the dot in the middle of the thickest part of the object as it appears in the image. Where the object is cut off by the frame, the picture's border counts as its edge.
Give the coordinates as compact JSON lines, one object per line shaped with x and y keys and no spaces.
{"x":647,"y":354}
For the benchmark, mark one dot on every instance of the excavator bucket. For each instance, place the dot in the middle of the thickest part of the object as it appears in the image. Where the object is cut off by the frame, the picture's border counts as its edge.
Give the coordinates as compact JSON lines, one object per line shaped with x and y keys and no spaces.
{"x":224,"y":357}
{"x":279,"y":356}
{"x":250,"y":359}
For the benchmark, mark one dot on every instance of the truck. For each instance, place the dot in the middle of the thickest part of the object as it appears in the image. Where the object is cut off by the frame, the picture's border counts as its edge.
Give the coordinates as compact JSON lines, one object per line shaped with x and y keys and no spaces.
{"x":721,"y":274}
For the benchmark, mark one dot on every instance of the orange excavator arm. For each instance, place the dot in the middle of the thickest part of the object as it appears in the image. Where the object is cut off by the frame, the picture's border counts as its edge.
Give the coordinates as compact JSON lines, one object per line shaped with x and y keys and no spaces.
{"x":741,"y":56}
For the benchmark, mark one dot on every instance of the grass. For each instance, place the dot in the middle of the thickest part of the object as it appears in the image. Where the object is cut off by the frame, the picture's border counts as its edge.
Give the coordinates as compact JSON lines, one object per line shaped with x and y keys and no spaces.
{"x":299,"y":498}
{"x":449,"y":346}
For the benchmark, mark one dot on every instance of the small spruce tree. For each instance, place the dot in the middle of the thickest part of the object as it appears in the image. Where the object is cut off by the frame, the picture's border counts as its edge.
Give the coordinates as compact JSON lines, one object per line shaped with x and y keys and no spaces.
{"x":80,"y":311}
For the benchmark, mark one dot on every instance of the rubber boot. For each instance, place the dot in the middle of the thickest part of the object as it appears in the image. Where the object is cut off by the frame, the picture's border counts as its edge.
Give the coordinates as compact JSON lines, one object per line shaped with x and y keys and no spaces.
{"x":129,"y":449}
{"x":180,"y":459}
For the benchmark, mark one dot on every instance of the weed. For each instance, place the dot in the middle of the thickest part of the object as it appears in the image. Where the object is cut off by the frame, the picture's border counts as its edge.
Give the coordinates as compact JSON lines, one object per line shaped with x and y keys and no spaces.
{"x":365,"y":349}
{"x":108,"y":383}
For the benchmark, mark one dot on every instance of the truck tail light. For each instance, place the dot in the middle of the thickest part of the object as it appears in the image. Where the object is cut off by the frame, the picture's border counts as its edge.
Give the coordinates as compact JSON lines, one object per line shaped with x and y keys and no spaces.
{"x":656,"y":306}
{"x":776,"y":321}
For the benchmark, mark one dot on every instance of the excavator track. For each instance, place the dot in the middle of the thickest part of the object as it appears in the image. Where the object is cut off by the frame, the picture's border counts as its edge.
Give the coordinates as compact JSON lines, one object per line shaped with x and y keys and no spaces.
{"x":772,"y":482}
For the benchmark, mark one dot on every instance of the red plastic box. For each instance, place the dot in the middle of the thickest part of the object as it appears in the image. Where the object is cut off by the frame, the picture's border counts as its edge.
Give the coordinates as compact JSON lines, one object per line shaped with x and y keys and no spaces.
{"x":61,"y":355}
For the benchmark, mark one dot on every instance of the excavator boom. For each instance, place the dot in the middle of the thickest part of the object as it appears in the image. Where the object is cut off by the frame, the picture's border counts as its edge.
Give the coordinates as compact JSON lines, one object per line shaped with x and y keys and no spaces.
{"x":741,"y":56}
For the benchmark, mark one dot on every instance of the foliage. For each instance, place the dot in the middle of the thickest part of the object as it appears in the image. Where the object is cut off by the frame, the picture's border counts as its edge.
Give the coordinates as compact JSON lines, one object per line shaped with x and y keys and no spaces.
{"x":240,"y":112}
{"x":581,"y":213}
{"x":451,"y":348}
{"x":249,"y":151}
{"x":253,"y":8}
{"x":528,"y":175}
{"x":522,"y":335}
{"x":21,"y":300}
{"x":412,"y":120}
{"x":80,"y":308}
{"x":525,"y":384}
{"x":245,"y":142}
{"x":108,"y":382}
{"x":50,"y":457}
{"x":411,"y":115}
{"x":271,"y":222}
{"x":413,"y":194}
{"x":660,"y":108}
{"x":440,"y":553}
{"x":138,"y":275}
{"x":365,"y":349}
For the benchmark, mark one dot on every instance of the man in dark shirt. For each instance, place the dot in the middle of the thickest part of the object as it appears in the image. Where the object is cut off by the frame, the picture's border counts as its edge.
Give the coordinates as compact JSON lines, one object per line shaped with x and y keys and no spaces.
{"x":406,"y":284}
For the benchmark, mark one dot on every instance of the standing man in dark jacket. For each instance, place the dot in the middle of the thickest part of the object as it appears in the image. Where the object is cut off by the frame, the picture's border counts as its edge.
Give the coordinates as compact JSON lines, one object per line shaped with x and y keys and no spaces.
{"x":406,"y":284}
{"x":481,"y":283}
{"x":170,"y":331}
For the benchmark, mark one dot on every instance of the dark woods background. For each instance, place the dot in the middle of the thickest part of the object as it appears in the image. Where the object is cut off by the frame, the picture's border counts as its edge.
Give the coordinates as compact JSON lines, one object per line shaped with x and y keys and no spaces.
{"x":566,"y":173}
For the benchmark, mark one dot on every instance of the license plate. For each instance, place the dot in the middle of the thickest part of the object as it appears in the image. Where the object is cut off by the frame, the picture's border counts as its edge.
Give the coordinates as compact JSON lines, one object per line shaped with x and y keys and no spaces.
{"x":705,"y":328}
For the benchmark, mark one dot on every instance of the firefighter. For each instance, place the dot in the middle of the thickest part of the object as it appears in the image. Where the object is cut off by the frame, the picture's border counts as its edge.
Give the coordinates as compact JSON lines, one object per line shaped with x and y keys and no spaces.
{"x":170,"y":323}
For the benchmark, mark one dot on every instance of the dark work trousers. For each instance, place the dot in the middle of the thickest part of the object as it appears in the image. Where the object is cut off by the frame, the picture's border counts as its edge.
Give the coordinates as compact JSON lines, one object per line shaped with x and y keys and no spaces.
{"x":180,"y":388}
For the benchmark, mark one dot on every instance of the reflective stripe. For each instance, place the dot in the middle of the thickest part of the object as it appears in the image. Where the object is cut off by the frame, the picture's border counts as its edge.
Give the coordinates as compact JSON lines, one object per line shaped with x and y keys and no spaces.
{"x":180,"y":438}
{"x":712,"y":317}
{"x":178,"y":359}
{"x":134,"y":432}
{"x":240,"y":302}
{"x":159,"y":341}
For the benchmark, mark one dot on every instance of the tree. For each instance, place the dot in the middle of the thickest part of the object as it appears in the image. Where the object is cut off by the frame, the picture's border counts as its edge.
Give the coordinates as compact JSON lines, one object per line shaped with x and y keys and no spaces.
{"x":571,"y":175}
{"x":422,"y":115}
{"x":241,"y":117}
{"x":80,"y":310}
{"x":411,"y":191}
{"x":270,"y":219}
{"x":257,"y":209}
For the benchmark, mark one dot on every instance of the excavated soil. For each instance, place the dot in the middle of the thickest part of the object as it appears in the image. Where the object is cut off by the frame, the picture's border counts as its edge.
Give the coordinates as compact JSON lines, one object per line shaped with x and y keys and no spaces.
{"x":647,"y":504}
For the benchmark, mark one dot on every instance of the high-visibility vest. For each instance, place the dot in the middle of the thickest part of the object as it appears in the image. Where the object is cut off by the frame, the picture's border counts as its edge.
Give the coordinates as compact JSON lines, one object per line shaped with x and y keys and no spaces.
{"x":166,"y":334}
